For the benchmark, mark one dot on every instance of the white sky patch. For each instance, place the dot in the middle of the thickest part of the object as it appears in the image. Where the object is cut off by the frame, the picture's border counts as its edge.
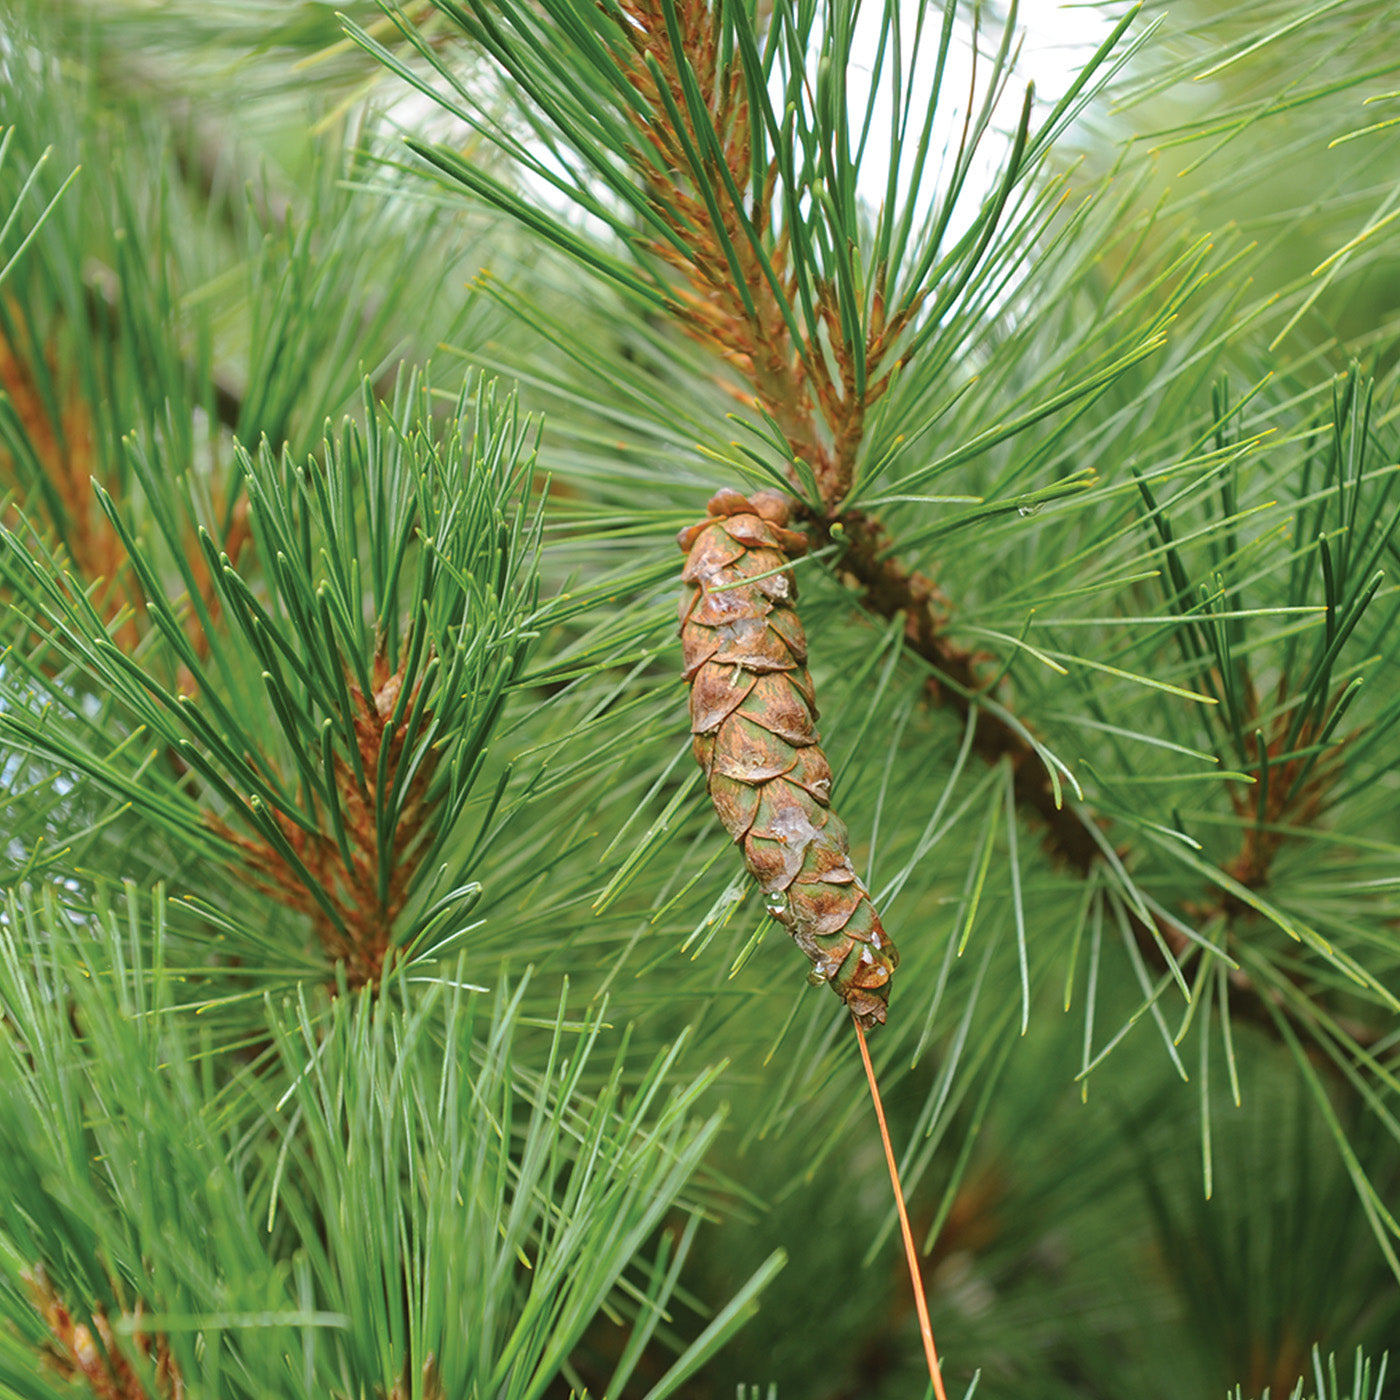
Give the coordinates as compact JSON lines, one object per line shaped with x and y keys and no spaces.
{"x":1056,"y":41}
{"x":1060,"y":39}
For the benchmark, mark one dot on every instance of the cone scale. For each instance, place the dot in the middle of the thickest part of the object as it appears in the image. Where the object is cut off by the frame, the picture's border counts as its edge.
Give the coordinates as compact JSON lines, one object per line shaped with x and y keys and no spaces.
{"x":753,"y":723}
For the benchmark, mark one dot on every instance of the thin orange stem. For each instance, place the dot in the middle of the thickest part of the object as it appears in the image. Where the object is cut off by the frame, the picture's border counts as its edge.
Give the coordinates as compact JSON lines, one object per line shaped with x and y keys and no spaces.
{"x":916,"y":1278}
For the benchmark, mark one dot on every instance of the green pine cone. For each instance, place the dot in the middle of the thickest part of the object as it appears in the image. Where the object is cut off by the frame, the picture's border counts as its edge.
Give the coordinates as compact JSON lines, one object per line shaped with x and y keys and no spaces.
{"x":753,"y":713}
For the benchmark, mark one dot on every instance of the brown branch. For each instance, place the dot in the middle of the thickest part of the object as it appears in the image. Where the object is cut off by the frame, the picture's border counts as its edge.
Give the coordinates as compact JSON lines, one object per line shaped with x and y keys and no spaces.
{"x":888,"y":590}
{"x":61,"y":438}
{"x":358,"y":933}
{"x":742,"y":319}
{"x":92,"y":1354}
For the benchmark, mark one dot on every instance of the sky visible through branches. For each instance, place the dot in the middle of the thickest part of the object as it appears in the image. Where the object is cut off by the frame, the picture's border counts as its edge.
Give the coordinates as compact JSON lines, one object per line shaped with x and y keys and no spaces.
{"x":1056,"y":41}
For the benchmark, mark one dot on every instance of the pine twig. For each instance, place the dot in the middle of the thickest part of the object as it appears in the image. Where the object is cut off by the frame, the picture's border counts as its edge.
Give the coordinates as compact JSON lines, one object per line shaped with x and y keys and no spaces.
{"x":61,"y":439}
{"x":342,"y":898}
{"x":75,"y":1353}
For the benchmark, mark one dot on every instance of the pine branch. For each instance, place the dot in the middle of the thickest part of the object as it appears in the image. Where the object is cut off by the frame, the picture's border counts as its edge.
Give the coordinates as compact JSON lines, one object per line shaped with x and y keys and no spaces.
{"x":50,"y":460}
{"x":755,"y":224}
{"x":75,"y":1354}
{"x":323,"y":754}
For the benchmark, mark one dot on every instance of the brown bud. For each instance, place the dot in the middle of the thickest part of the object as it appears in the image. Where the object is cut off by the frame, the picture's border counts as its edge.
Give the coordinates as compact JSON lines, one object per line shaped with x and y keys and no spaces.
{"x":753,"y":717}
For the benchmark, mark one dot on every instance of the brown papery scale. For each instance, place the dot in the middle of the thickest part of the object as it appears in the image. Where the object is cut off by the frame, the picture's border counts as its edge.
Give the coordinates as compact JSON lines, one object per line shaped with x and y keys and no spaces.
{"x":752,"y":717}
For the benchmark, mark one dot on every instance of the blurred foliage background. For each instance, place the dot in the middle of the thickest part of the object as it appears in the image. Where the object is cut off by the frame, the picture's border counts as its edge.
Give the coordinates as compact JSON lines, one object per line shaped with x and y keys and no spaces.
{"x":385,"y":1013}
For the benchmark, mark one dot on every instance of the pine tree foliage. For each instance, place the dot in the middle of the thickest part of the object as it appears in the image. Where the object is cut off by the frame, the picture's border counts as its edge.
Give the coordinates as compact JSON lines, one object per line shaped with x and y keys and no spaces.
{"x":384,"y":1011}
{"x":189,"y":1253}
{"x":342,"y":722}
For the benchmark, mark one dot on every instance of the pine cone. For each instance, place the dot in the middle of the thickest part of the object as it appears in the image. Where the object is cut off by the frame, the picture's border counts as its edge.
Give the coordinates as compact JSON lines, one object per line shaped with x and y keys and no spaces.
{"x":752,"y":713}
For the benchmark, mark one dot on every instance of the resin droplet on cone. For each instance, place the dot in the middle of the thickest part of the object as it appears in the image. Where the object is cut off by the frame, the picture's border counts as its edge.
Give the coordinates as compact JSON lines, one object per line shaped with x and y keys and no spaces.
{"x":753,"y":716}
